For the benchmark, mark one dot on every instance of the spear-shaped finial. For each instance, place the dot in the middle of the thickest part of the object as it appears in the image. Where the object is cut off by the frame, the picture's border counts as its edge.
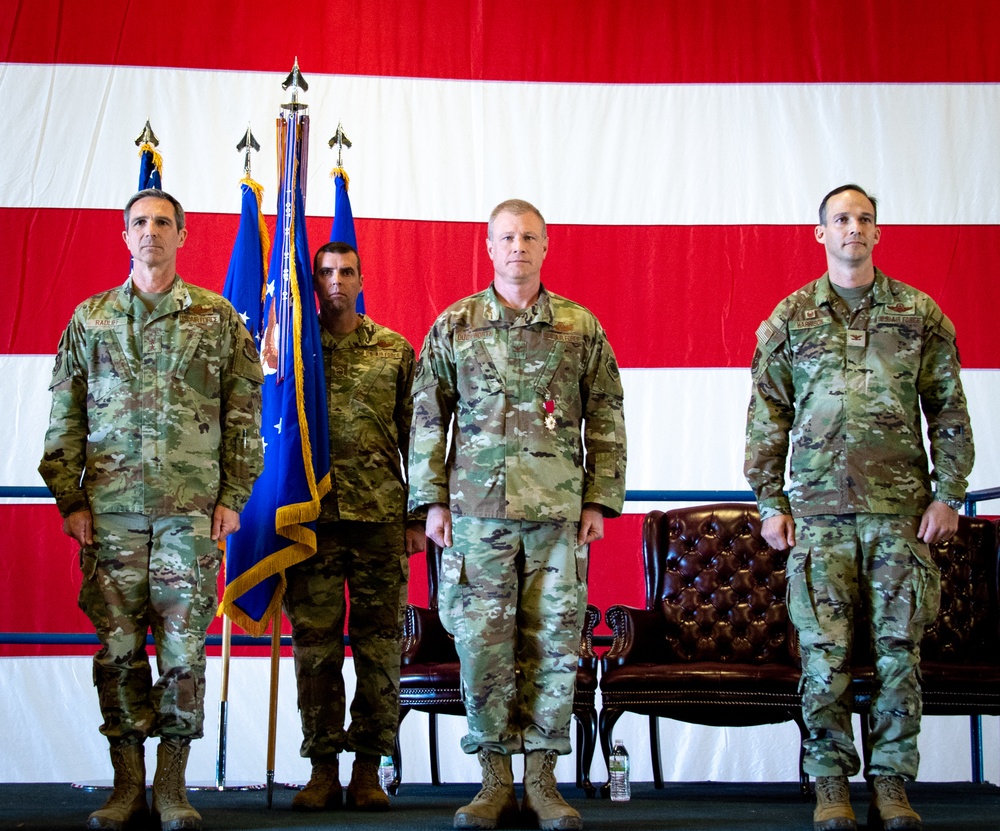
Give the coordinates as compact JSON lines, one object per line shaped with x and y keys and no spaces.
{"x":296,"y":82}
{"x":340,"y":141}
{"x":147,"y":136}
{"x":247,"y":143}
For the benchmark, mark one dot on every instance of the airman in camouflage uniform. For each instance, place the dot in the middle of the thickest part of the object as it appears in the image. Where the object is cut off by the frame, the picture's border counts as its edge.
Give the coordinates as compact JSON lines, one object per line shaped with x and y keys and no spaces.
{"x":843,"y":368}
{"x":151,"y":452}
{"x":513,"y":374}
{"x":363,"y":542}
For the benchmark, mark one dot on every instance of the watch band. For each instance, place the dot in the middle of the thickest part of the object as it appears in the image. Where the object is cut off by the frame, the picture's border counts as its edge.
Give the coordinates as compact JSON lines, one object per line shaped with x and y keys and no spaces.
{"x":954,"y":504}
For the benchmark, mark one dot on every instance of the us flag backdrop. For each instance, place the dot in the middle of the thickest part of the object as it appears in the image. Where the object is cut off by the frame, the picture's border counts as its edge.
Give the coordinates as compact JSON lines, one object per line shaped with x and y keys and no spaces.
{"x":678,"y":151}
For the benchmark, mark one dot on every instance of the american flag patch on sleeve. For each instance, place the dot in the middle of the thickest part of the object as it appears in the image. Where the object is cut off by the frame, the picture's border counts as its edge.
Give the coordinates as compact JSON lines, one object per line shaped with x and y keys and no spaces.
{"x":766,"y":331}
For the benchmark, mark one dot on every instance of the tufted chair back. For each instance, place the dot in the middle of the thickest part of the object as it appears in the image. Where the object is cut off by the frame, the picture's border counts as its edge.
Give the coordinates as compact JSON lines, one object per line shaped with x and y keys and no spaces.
{"x":960,"y":651}
{"x":966,"y":628}
{"x":713,"y":644}
{"x":720,"y":587}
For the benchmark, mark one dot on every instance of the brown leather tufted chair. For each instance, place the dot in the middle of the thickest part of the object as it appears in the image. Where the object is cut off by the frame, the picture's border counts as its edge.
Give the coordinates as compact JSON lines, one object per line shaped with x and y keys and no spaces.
{"x":429,"y":678}
{"x":713,"y":645}
{"x":960,"y":652}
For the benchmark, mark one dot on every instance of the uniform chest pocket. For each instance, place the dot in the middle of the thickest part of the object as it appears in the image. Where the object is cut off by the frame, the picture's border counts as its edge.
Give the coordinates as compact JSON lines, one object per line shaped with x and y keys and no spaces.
{"x":349,"y":378}
{"x":807,"y":336}
{"x":478,"y":374}
{"x":899,"y":338}
{"x":556,"y":350}
{"x":108,"y":368}
{"x":199,"y":363}
{"x":367,"y":386}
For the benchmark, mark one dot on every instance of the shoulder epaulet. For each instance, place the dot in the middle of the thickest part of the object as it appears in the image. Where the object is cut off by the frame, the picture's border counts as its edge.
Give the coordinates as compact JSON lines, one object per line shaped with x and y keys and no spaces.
{"x":941,"y":323}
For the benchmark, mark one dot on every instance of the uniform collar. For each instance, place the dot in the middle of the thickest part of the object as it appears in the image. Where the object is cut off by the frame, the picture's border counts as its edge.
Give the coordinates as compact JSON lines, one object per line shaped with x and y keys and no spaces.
{"x":180,"y":296}
{"x":539,"y":312}
{"x":364,"y":335}
{"x":881,"y":292}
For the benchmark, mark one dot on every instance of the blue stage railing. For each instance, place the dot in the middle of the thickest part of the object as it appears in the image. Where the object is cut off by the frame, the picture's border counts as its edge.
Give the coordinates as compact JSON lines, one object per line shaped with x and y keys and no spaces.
{"x":972,"y":498}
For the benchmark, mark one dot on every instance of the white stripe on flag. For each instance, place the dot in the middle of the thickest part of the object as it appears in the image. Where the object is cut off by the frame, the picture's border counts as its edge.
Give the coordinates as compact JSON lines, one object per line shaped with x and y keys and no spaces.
{"x":603,"y":154}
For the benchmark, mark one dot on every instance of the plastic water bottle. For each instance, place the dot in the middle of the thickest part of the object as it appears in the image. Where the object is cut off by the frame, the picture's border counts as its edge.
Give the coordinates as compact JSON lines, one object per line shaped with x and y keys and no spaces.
{"x":621,"y":790}
{"x":386,"y":773}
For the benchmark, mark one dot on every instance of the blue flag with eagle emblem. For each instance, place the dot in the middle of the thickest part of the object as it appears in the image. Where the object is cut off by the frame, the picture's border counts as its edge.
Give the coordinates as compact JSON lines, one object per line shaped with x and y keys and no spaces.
{"x":278,"y":524}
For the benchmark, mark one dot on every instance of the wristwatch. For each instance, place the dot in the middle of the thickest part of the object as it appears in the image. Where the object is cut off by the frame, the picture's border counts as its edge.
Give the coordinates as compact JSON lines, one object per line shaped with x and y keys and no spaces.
{"x":954,"y":504}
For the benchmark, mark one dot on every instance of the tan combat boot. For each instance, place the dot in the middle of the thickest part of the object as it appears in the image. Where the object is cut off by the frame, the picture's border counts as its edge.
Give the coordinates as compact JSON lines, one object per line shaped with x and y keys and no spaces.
{"x":322,"y":792}
{"x":542,"y":801}
{"x":170,"y":802}
{"x":364,"y":793}
{"x":128,"y":798}
{"x":890,"y":808}
{"x":833,"y":805}
{"x":495,"y":803}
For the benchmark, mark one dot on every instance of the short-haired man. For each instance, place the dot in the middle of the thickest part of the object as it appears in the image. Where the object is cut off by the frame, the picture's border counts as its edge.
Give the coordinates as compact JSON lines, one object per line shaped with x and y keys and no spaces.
{"x":843,"y":368}
{"x":363,"y":542}
{"x":152,"y":449}
{"x":527,"y":387}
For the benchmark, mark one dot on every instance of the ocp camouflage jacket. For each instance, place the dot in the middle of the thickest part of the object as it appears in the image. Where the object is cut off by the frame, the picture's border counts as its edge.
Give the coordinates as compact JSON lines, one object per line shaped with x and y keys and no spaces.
{"x":845,"y":392}
{"x":158,"y":415}
{"x":368,"y":377}
{"x":515,"y":398}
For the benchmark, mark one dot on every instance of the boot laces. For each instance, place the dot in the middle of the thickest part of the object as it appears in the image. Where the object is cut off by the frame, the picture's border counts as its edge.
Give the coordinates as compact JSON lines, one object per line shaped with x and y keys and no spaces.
{"x":891,"y":789}
{"x":323,"y":776}
{"x":171,"y":785}
{"x":365,"y":774}
{"x":492,"y":781}
{"x":831,"y":789}
{"x":126,"y":775}
{"x":545,"y":779}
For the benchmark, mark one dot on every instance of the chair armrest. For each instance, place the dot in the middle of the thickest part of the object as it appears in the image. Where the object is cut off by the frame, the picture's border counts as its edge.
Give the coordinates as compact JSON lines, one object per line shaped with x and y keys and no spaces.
{"x":590,"y":620}
{"x":424,"y":638}
{"x":639,"y":636}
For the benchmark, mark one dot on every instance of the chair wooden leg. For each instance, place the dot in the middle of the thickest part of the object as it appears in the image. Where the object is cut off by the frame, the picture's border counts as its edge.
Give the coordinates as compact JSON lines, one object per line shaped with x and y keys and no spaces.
{"x":397,"y":764}
{"x":804,"y":787}
{"x":609,"y":716}
{"x":866,"y":747}
{"x":586,"y":744}
{"x":397,"y":755}
{"x":654,"y":752}
{"x":976,"y":743}
{"x":432,"y":731}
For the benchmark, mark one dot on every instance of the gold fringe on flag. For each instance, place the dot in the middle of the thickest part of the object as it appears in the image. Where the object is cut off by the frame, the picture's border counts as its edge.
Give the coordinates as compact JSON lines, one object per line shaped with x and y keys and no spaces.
{"x":265,"y":238}
{"x":157,"y":158}
{"x":339,"y":171}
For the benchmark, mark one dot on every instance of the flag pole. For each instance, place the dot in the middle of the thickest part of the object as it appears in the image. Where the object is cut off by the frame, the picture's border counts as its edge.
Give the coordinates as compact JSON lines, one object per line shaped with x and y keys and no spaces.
{"x":272,"y":721}
{"x":343,"y":217}
{"x":220,"y":762}
{"x":277,"y":528}
{"x":150,"y":161}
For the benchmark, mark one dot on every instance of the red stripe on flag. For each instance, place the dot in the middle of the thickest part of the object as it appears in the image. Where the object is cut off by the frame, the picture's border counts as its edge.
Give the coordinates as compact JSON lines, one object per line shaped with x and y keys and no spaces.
{"x":586,"y":41}
{"x":49,"y":605}
{"x":669,"y":296}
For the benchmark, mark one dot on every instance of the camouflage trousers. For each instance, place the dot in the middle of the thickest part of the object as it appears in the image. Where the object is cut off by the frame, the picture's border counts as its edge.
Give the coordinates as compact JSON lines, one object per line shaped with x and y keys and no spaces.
{"x":514,"y":594}
{"x":370,"y":558}
{"x":150,"y":573}
{"x":874,"y":561}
